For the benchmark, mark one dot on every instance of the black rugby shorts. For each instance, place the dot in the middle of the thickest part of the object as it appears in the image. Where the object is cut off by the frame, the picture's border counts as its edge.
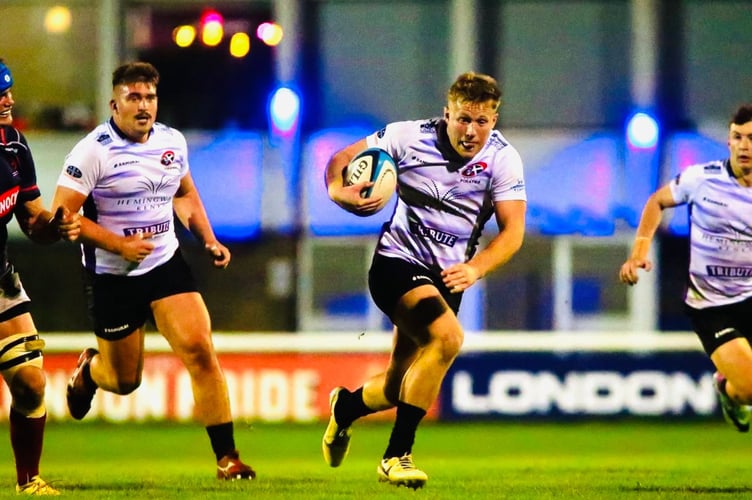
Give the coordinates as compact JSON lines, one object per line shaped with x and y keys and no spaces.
{"x":390,"y":278}
{"x":118,"y":305}
{"x":717,"y":325}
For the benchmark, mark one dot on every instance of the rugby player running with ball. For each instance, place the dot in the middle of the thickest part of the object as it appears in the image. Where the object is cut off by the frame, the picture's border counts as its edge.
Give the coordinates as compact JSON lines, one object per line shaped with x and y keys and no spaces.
{"x":454,"y":173}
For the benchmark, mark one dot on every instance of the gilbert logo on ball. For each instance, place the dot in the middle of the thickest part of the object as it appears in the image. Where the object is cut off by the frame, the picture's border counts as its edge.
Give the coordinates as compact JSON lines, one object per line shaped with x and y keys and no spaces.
{"x":361,"y":166}
{"x":377,"y":166}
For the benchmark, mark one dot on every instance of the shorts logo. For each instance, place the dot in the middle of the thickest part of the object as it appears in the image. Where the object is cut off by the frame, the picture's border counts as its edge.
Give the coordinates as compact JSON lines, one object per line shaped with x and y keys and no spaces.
{"x":167,"y":158}
{"x":422,"y":277}
{"x":723,"y":332}
{"x":117,"y":328}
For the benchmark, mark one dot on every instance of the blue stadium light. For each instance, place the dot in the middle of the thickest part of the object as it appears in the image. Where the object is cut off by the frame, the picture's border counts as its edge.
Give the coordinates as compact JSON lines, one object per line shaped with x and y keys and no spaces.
{"x":284,"y":110}
{"x":642,"y":131}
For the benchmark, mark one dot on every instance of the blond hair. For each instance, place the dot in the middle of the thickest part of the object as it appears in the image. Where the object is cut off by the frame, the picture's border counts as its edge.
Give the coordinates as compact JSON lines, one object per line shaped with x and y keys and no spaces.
{"x":475,"y":87}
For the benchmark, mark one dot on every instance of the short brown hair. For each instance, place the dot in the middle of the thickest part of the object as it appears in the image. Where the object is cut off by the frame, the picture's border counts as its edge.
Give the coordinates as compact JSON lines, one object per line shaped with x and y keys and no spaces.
{"x":135,"y":72}
{"x":475,"y":87}
{"x":742,"y":115}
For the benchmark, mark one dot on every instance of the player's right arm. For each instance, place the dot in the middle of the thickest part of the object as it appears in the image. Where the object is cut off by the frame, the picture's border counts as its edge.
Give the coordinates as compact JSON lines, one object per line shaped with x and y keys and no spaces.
{"x":348,"y":197}
{"x":652,"y":214}
{"x":133,"y":248}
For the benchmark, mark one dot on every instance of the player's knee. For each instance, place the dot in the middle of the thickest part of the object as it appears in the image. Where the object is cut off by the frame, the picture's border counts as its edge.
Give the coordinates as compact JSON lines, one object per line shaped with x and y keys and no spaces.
{"x":21,"y":367}
{"x":418,"y":318}
{"x":199,"y":358}
{"x":449,"y":343}
{"x":452,"y":343}
{"x":27,"y":388}
{"x":28,"y":381}
{"x":126,"y":386}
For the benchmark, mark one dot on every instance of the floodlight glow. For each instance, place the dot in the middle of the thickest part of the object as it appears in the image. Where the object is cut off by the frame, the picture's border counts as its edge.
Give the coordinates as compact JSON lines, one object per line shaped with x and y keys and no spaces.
{"x":284,"y":109}
{"x":212,"y":28}
{"x":240,"y":44}
{"x":642,"y":131}
{"x":184,"y":35}
{"x":212,"y":33}
{"x":270,"y":33}
{"x":57,"y":19}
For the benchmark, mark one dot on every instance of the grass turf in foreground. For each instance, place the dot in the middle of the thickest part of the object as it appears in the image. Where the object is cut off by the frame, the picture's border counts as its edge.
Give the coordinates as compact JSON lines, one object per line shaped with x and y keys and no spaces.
{"x":604,"y":460}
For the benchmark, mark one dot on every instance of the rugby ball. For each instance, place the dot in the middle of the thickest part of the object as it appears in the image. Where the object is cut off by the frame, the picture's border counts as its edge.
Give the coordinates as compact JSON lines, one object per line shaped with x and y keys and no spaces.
{"x":377,"y":166}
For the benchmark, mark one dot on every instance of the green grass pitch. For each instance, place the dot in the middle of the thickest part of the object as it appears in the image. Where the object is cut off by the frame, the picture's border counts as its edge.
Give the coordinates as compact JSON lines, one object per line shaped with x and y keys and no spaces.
{"x":634,"y":459}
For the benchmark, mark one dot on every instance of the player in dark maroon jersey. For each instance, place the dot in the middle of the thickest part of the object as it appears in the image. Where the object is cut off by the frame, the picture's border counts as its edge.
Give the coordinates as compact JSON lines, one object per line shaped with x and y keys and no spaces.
{"x":20,"y":345}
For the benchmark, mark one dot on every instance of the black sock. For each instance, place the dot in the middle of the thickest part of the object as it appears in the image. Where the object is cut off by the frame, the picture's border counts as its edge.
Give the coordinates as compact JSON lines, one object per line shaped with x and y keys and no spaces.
{"x":403,"y":433}
{"x":222,"y":439}
{"x":350,"y":407}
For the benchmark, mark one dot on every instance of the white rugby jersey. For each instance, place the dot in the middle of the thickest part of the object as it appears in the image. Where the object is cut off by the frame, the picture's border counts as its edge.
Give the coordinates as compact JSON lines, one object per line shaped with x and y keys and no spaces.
{"x":444,"y":200}
{"x":720,"y":211}
{"x":129,"y":188}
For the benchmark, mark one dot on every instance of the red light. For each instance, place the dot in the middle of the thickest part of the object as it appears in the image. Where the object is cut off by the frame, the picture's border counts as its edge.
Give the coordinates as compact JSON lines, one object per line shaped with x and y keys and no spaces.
{"x":212,"y":28}
{"x":211,"y":16}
